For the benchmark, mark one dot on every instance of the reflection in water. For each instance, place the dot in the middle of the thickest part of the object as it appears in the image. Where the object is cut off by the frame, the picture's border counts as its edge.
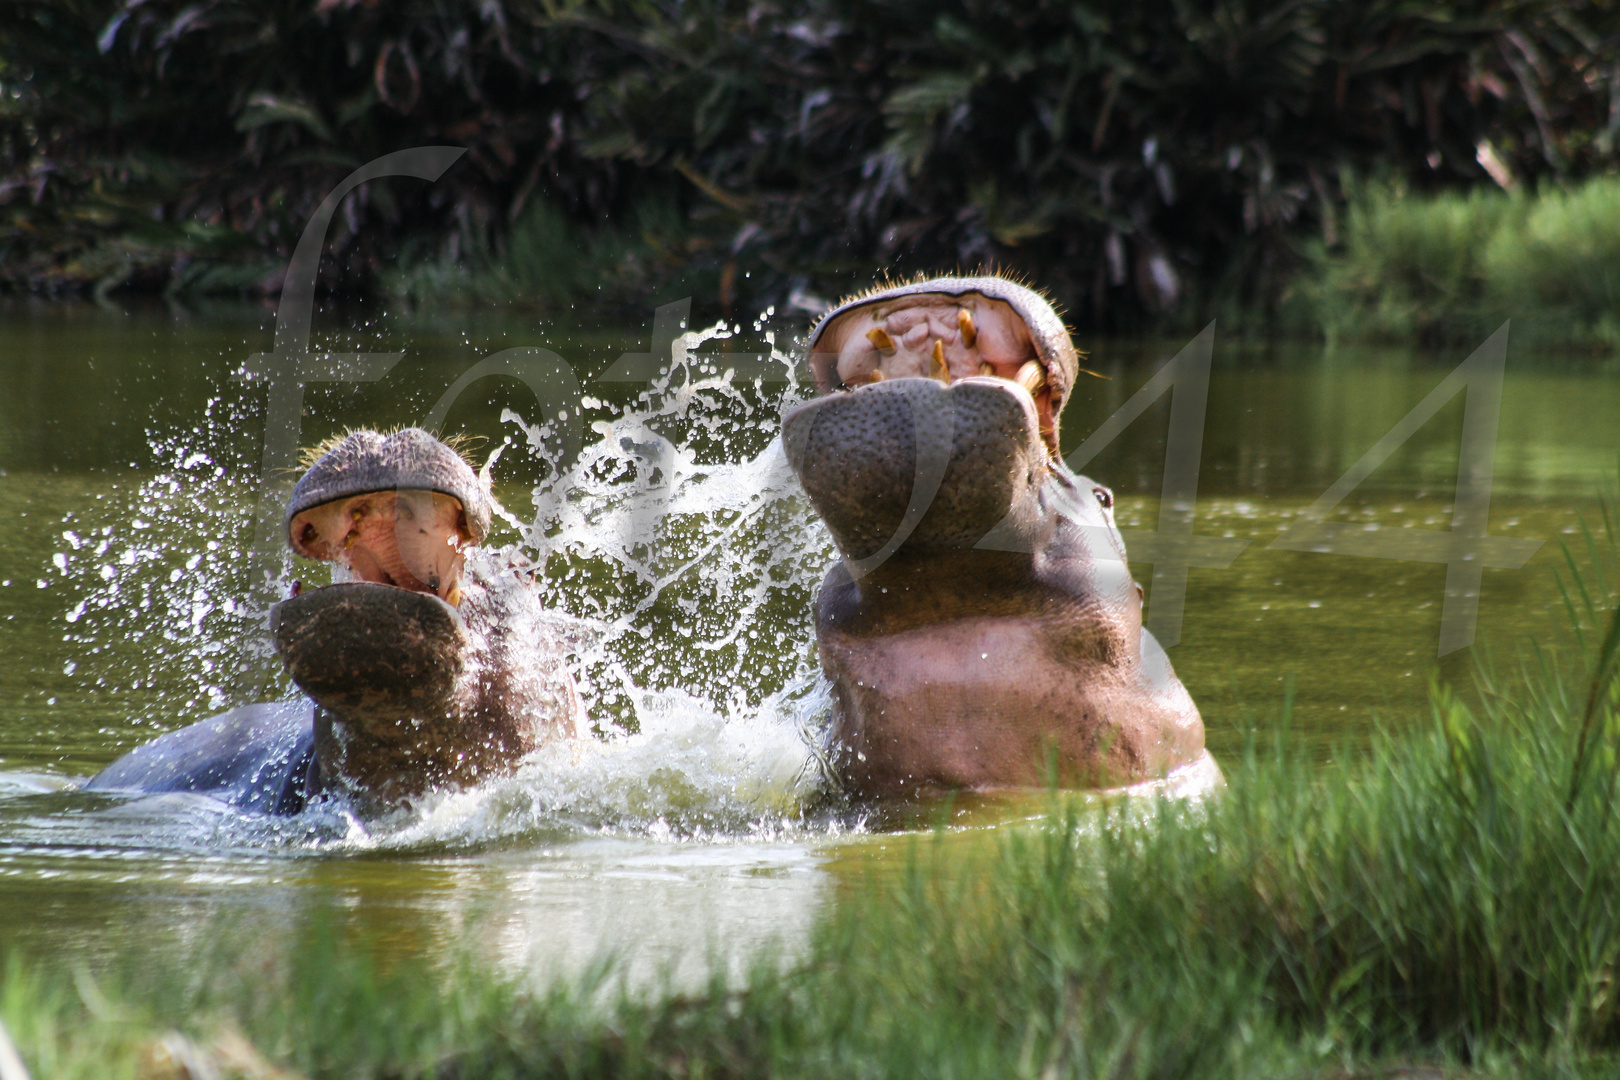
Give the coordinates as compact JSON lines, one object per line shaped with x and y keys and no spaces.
{"x":543,"y":906}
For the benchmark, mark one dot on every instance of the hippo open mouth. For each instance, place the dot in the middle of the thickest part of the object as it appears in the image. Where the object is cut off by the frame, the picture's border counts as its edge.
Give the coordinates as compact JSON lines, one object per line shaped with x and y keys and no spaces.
{"x":950,"y":329}
{"x":391,"y":510}
{"x":982,"y":629}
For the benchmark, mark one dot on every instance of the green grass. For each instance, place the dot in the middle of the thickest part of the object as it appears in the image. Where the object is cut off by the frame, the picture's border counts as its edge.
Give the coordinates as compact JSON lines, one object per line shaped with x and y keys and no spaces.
{"x":1441,"y":901}
{"x":545,"y":262}
{"x":1451,"y":267}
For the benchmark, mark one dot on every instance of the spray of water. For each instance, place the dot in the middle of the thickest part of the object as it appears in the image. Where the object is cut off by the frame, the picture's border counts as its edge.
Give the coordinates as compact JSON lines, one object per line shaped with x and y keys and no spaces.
{"x":676,"y":558}
{"x":159,"y":621}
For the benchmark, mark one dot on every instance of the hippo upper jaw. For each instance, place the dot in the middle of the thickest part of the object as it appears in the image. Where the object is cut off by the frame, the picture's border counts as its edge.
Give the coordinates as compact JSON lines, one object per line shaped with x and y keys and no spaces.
{"x":409,"y":539}
{"x":399,"y":509}
{"x":949,"y":329}
{"x":913,"y":465}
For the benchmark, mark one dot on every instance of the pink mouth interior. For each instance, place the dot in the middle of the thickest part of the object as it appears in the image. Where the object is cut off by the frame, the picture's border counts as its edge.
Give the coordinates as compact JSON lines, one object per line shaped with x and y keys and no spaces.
{"x":412,"y":540}
{"x":995,"y":341}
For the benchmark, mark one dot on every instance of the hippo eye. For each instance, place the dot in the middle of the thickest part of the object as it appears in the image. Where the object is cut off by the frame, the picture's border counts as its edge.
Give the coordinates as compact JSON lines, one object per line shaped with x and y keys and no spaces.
{"x":1104,"y":496}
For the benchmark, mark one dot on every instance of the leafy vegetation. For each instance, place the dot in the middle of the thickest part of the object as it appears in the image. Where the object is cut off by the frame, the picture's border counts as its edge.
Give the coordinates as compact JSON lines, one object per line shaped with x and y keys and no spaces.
{"x":1451,"y":267}
{"x":1141,"y":159}
{"x":1436,"y":906}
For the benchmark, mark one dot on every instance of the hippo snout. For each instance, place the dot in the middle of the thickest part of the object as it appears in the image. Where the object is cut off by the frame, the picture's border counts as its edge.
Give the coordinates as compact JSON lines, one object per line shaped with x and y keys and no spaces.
{"x":915,"y":460}
{"x":363,"y":649}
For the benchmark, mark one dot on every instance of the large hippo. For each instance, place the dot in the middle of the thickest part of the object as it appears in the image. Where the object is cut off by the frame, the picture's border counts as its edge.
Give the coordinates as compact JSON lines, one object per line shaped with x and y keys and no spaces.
{"x":424,"y":668}
{"x":982,"y":629}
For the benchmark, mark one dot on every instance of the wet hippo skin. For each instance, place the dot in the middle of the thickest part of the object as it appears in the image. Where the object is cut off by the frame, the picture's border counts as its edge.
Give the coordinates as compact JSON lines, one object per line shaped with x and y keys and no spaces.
{"x":424,"y":670}
{"x":988,"y":634}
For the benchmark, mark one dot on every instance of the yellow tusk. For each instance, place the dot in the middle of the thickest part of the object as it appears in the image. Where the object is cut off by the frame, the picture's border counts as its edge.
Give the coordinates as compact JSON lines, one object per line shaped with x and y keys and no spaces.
{"x":987,"y":368}
{"x":348,"y":541}
{"x":964,"y":324}
{"x":1031,"y":377}
{"x":880,"y":337}
{"x":941,"y":372}
{"x":453,"y":597}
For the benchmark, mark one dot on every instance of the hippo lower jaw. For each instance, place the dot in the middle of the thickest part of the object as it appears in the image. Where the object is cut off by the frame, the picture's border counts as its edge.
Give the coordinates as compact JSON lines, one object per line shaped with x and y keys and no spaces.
{"x":987,"y":634}
{"x":369,"y":649}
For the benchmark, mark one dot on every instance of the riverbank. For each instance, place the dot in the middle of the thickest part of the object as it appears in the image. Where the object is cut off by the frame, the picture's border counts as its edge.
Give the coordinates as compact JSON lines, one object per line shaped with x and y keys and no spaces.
{"x":1436,"y":904}
{"x":1438,"y":269}
{"x":1451,"y":267}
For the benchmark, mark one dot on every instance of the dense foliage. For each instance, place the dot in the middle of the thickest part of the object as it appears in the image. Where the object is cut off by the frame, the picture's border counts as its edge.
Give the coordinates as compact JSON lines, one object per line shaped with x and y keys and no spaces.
{"x":1137,"y":157}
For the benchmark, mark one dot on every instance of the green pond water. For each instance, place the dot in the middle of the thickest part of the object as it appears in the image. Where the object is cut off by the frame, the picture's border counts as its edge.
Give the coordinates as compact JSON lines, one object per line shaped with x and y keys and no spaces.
{"x":130,"y":461}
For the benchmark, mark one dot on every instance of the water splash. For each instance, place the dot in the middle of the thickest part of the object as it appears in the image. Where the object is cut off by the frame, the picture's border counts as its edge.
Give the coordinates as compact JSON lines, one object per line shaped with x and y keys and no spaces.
{"x":677,"y":559}
{"x":698,"y":565}
{"x":161,"y":618}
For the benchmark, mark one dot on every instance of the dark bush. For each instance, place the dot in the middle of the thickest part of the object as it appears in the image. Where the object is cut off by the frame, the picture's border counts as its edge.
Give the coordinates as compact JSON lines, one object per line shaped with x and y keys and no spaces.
{"x":1139,"y":158}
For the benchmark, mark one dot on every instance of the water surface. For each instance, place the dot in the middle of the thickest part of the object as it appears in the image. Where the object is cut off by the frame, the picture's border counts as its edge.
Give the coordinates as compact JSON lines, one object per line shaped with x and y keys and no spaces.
{"x":685,"y":567}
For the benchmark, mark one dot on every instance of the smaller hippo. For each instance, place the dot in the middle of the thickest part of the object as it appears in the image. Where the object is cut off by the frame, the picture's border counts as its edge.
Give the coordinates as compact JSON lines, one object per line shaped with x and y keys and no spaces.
{"x":982,"y":629}
{"x":425,"y":663}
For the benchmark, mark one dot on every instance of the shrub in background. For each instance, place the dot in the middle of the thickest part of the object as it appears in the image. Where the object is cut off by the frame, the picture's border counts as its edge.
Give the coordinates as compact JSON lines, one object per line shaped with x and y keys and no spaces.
{"x":1144,"y":160}
{"x":1451,"y":267}
{"x":1558,"y":266}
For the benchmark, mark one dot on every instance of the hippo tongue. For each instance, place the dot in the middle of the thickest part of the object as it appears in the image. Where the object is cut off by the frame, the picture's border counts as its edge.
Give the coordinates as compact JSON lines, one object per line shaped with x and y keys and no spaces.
{"x":869,"y":459}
